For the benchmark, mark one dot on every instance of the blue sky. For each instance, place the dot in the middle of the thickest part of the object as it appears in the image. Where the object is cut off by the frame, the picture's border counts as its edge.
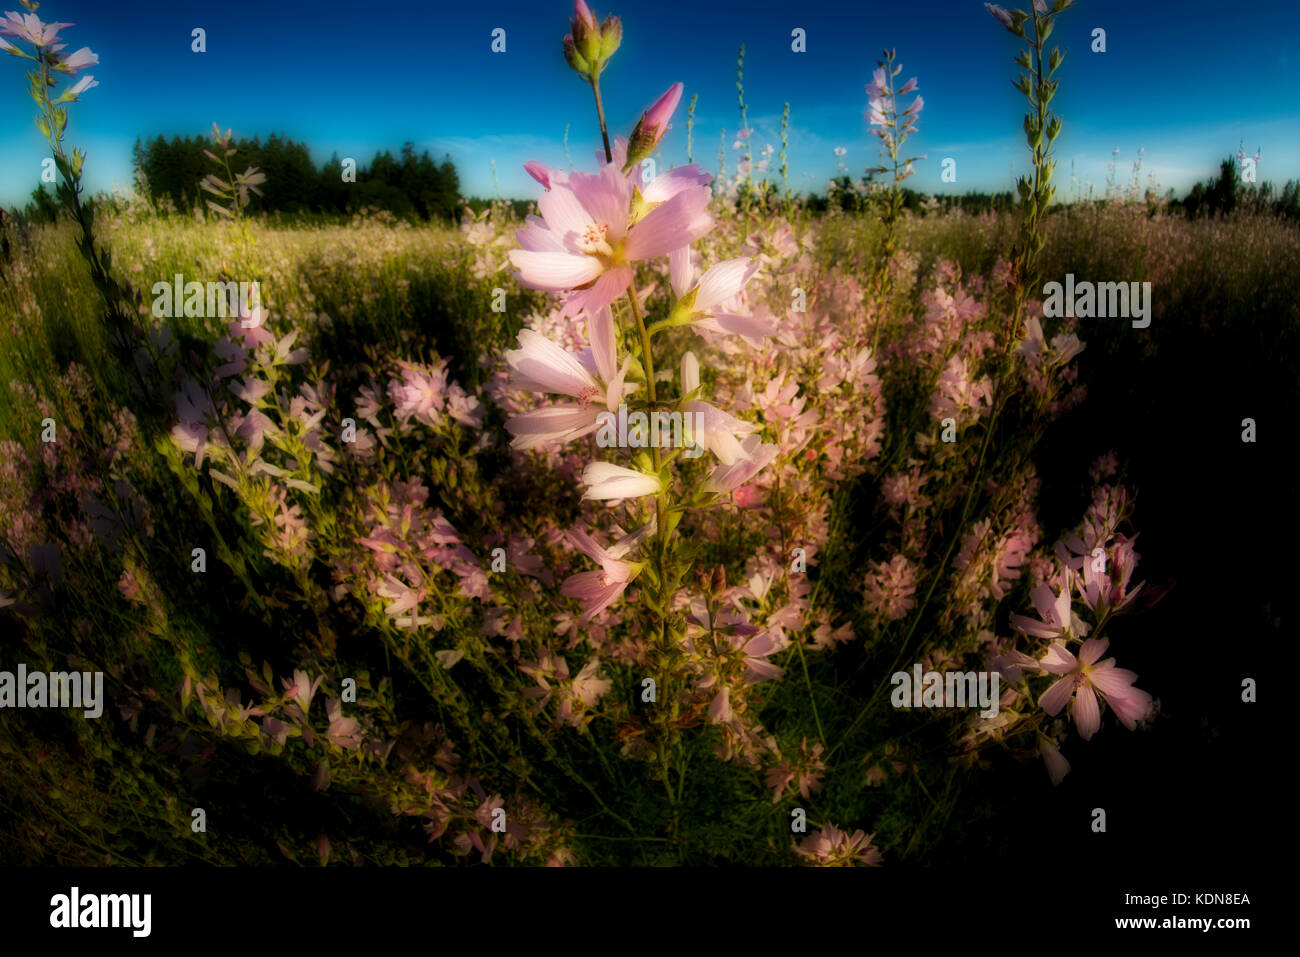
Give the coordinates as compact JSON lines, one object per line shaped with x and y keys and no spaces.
{"x":1186,"y":81}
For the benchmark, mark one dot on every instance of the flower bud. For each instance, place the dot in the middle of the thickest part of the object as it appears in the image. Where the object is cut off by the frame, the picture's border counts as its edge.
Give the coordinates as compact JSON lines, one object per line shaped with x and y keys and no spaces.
{"x":582,"y":14}
{"x":719,"y":583}
{"x":1001,"y":15}
{"x":653,"y":124}
{"x":586,"y":32}
{"x":611,"y":37}
{"x":690,"y":373}
{"x":538,"y":172}
{"x":574,"y":58}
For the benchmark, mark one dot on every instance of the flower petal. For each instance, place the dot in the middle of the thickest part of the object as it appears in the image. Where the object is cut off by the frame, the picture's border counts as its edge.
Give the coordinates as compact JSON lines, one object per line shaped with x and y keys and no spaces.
{"x":1055,"y":697}
{"x":554,"y":270}
{"x":1087,"y":715}
{"x":671,"y":225}
{"x":722,"y":281}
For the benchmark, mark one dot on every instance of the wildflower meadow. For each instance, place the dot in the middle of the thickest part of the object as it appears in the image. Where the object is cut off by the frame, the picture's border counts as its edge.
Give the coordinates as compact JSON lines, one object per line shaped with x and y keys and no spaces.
{"x":673,"y":512}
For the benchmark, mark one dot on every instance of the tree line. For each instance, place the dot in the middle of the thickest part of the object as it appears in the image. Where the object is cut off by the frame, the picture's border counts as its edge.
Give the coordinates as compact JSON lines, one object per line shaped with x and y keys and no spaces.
{"x":1227,"y":192}
{"x":407,"y":185}
{"x":411,"y":186}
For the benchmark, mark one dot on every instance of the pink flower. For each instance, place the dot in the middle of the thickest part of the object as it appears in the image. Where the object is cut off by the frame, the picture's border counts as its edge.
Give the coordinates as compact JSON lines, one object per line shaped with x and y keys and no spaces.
{"x":29,"y":27}
{"x":73,"y":62}
{"x":1102,"y":591}
{"x":716,"y":431}
{"x":345,"y":732}
{"x":959,"y":393}
{"x":903,"y":490}
{"x":1012,"y":663}
{"x":778,"y":779}
{"x":876,"y":109}
{"x":606,"y":481}
{"x":755,"y":456}
{"x":1081,"y":676}
{"x":539,"y":172}
{"x":302,"y":688}
{"x":586,"y":688}
{"x":1034,"y":347}
{"x":561,"y":422}
{"x":888,"y":588}
{"x":668,"y":184}
{"x":1053,"y":610}
{"x":463,"y":407}
{"x":756,"y":652}
{"x":420,"y":393}
{"x":539,"y":365}
{"x":720,"y":708}
{"x":806,"y":773}
{"x":193,"y":412}
{"x":276,"y":730}
{"x":598,"y":590}
{"x":585,"y":242}
{"x":404,"y":597}
{"x":653,"y":124}
{"x":485,"y":810}
{"x":1001,"y":15}
{"x":703,"y":306}
{"x":831,"y":847}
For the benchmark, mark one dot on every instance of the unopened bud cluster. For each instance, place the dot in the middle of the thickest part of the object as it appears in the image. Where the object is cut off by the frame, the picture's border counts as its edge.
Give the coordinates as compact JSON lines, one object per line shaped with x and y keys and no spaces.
{"x":590,"y":45}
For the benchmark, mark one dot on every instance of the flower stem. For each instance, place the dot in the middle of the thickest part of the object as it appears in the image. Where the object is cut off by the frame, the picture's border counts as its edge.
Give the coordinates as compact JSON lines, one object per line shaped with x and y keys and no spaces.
{"x":600,"y":114}
{"x":661,"y":536}
{"x":798,"y":642}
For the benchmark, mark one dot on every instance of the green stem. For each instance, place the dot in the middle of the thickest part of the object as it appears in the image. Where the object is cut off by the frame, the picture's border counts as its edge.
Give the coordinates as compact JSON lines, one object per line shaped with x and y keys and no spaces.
{"x":661,"y":543}
{"x":798,"y":641}
{"x":600,"y":114}
{"x":939,"y":571}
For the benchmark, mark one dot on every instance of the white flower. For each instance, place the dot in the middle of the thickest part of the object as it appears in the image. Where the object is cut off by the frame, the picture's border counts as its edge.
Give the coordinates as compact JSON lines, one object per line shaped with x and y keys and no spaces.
{"x":604,"y":481}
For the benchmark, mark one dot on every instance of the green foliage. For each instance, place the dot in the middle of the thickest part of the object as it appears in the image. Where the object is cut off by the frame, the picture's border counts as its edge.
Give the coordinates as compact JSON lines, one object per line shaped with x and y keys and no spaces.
{"x":406,"y":185}
{"x":121,"y":789}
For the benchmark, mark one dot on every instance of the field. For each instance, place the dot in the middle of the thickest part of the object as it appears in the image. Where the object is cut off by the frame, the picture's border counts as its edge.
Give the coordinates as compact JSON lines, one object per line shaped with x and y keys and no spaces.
{"x":126,"y":506}
{"x":367,"y":583}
